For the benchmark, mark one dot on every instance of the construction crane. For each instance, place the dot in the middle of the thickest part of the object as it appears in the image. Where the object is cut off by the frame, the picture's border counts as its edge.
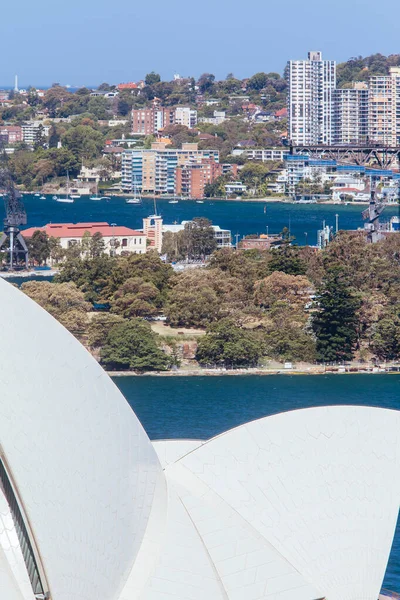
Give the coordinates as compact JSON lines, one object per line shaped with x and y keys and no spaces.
{"x":11,"y":241}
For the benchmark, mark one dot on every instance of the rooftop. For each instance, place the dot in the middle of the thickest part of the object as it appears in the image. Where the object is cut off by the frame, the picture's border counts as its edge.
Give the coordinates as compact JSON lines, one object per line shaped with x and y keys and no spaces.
{"x":67,"y":230}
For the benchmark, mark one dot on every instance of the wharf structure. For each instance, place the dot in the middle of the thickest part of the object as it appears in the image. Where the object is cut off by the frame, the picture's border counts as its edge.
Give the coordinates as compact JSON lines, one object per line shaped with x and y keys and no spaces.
{"x":288,"y":506}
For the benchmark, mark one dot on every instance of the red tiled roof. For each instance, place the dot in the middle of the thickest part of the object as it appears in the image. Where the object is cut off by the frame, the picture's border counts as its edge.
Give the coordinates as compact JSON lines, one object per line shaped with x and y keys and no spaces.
{"x":283,"y":112}
{"x":76,"y":230}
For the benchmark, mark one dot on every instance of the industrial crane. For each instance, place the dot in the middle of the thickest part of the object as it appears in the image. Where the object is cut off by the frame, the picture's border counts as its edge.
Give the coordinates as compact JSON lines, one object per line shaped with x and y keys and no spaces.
{"x":11,"y":240}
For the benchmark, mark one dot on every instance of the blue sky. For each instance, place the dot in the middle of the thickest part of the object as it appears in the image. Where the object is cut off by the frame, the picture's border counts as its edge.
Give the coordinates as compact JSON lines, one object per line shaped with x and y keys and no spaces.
{"x":90,"y":41}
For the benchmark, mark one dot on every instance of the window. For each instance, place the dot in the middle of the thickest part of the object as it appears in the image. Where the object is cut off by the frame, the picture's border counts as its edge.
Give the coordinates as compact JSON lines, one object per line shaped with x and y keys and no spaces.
{"x":124,"y":242}
{"x":22,"y":532}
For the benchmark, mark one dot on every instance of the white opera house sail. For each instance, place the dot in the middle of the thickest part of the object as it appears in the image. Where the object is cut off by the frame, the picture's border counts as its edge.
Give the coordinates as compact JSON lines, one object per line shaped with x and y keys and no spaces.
{"x":297,"y":506}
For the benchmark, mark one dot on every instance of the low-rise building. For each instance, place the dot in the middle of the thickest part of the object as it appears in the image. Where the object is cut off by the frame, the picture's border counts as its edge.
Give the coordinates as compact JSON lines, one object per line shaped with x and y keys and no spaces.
{"x":186,"y":116}
{"x":32,"y":130}
{"x":218,"y":118}
{"x":117,"y":239}
{"x":154,"y":228}
{"x":235,"y":187}
{"x":11,"y":134}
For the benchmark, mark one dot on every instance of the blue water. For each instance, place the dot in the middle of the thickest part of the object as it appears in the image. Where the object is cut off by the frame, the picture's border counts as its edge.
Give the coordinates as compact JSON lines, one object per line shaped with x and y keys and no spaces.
{"x":201,"y":407}
{"x":240,"y":217}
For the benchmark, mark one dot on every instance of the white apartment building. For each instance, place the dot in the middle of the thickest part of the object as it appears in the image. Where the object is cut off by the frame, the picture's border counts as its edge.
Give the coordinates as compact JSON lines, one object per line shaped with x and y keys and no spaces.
{"x":350,"y":120}
{"x":186,"y":116}
{"x":384,"y":108}
{"x":311,"y":84}
{"x":32,"y":129}
{"x":218,"y":118}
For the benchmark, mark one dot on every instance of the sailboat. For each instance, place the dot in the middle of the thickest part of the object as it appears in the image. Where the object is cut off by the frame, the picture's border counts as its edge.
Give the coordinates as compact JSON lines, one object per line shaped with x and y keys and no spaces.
{"x":136,"y":195}
{"x":96,"y":196}
{"x":67,"y":199}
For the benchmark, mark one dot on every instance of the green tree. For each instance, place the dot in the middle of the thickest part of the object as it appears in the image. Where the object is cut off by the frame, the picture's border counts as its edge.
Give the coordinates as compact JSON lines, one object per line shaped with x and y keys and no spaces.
{"x":206,"y":83}
{"x":96,"y":245}
{"x":135,"y":298}
{"x":227,"y":344}
{"x":199,"y":238}
{"x":335,"y":323}
{"x":152,"y":78}
{"x":57,"y":253}
{"x":257,"y":81}
{"x":385,"y":342}
{"x":99,"y":327}
{"x":39,"y":247}
{"x":64,"y":301}
{"x":83,"y":141}
{"x":133,"y":345}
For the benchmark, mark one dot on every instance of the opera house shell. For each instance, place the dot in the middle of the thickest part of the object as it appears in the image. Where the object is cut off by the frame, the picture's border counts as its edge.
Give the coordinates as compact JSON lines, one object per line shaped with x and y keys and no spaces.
{"x":297,"y":506}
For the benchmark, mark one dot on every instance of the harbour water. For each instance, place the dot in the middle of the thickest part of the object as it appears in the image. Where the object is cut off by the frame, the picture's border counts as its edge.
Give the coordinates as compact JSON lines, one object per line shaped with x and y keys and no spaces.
{"x":240,"y":217}
{"x":202,"y":407}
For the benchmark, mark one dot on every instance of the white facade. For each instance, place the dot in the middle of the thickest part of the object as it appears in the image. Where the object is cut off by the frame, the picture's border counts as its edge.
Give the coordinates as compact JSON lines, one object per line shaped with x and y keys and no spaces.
{"x":186,"y":116}
{"x":310,"y":103}
{"x":350,"y":121}
{"x":31,"y":131}
{"x":301,"y":505}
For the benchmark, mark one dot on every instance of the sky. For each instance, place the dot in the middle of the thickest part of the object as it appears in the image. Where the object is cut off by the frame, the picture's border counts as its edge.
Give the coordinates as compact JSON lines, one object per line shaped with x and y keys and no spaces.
{"x":87,"y":42}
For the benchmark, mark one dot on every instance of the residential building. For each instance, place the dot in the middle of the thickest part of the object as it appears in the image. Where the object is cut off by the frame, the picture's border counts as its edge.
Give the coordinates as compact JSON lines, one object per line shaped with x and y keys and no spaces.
{"x":117,"y":239}
{"x":153,"y":230}
{"x":222,"y":237}
{"x":149,"y":121}
{"x":235,"y":187}
{"x":11,"y":134}
{"x":311,"y":84}
{"x":264,"y":242}
{"x":218,"y":118}
{"x":192,"y":177}
{"x":384,"y":108}
{"x":186,"y":116}
{"x":32,"y":130}
{"x":350,"y":119}
{"x":154,"y":171}
{"x":263,"y":154}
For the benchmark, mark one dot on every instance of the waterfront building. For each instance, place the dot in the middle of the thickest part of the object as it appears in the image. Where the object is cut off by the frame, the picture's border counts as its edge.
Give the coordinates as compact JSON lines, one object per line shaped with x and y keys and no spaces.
{"x":350,"y":119}
{"x":192,"y":177}
{"x":154,"y":228}
{"x":384,"y":108}
{"x":154,"y":171}
{"x":235,"y":187}
{"x":116,"y":239}
{"x":311,"y":84}
{"x":302,"y":504}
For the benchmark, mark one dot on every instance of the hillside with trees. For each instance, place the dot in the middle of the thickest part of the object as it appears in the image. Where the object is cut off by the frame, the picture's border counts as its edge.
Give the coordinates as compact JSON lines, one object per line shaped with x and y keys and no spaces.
{"x":248,"y":307}
{"x":362,"y":68}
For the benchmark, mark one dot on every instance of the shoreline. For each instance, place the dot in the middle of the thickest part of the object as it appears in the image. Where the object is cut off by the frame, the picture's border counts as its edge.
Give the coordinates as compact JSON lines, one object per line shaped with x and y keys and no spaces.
{"x":257,"y":372}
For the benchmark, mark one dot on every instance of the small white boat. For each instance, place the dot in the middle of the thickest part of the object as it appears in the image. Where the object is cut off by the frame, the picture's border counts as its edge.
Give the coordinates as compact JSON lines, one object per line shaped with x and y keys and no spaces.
{"x":136,"y":199}
{"x":173,"y":201}
{"x":95,"y":198}
{"x":199,"y":202}
{"x":37,"y":195}
{"x":75,"y":196}
{"x":55,"y":197}
{"x":43,"y":197}
{"x":133,"y":201}
{"x":66,"y":200}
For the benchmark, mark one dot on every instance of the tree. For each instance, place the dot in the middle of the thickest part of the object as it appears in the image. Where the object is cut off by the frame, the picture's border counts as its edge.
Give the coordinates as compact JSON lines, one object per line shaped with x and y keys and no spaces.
{"x":385,"y":341}
{"x":135,"y":298}
{"x":199,"y":238}
{"x":152,"y":78}
{"x":293,"y":290}
{"x":99,"y":327}
{"x":257,"y":81}
{"x":83,"y":141}
{"x":39,"y":247}
{"x":287,"y":259}
{"x":335,"y":323}
{"x":64,"y":301}
{"x":228,"y":345}
{"x":199,"y":297}
{"x":133,"y":345}
{"x":96,"y":245}
{"x":206,"y":83}
{"x":92,"y":276}
{"x":57,"y":252}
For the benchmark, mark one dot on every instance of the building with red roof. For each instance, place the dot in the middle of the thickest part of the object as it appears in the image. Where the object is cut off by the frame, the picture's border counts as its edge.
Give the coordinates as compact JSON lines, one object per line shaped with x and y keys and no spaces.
{"x":117,"y":239}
